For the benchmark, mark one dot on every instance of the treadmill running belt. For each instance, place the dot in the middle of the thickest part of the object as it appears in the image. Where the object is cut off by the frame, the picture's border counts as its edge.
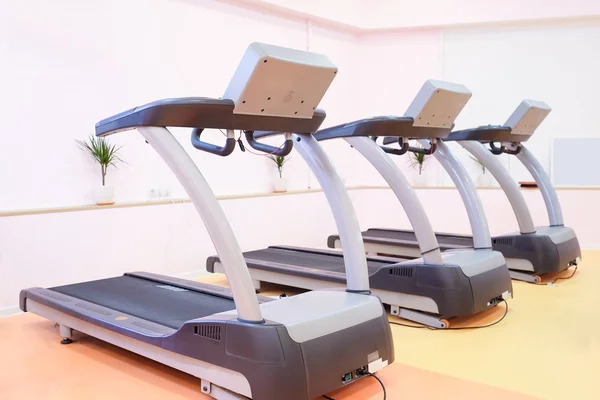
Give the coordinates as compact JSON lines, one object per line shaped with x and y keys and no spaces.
{"x":163,"y":304}
{"x":326,"y":262}
{"x":391,"y":234}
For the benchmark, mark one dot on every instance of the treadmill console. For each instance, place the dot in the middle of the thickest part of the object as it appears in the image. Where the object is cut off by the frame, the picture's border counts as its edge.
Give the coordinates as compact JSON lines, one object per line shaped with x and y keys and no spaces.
{"x":279,"y":82}
{"x":437,"y":104}
{"x":527,"y":117}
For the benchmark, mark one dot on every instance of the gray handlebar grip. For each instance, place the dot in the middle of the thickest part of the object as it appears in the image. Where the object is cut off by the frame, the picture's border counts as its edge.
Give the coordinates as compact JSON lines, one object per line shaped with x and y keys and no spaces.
{"x":421,"y":150}
{"x":265,"y":148}
{"x":404,"y":147}
{"x":212,"y":148}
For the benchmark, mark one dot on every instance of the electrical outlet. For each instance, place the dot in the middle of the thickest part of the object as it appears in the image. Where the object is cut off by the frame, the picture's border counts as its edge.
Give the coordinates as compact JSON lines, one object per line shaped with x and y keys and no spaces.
{"x":159,"y":193}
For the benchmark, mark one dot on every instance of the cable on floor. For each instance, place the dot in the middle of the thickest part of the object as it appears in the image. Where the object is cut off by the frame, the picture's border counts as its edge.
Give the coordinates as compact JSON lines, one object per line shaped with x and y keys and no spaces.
{"x":565,"y":277}
{"x":378,"y":380}
{"x":328,"y":398}
{"x":459,"y":328}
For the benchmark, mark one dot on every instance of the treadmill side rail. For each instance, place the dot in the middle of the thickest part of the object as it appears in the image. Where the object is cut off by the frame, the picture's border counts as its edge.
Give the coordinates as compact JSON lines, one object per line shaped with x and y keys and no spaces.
{"x":223,"y":377}
{"x":104,"y":317}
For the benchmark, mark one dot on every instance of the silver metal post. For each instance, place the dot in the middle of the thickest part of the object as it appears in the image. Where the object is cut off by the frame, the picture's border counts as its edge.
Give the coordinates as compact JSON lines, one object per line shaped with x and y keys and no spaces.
{"x":507,"y":183}
{"x":468,"y":193}
{"x":544,"y":183}
{"x":428,"y":244}
{"x":355,"y":260}
{"x":213,"y":216}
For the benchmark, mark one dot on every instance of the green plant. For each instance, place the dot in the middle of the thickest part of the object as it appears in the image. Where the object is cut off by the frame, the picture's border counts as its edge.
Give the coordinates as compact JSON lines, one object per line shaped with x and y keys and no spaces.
{"x":479,"y":163}
{"x":102,"y":151}
{"x":279,"y":163}
{"x":417,"y":161}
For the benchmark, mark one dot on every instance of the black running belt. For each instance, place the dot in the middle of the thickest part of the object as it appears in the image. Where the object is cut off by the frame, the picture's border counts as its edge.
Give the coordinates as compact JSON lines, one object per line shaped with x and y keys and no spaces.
{"x":160,"y":303}
{"x":444,"y":240}
{"x":316,"y":260}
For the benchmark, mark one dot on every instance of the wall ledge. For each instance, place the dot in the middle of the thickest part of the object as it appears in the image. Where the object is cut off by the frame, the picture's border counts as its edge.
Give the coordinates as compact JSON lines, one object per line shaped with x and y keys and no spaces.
{"x":164,"y":202}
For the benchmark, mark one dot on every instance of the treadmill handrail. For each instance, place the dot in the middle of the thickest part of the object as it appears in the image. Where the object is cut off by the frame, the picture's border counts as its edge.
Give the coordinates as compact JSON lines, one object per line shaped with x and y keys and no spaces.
{"x":486,"y":134}
{"x":468,"y":192}
{"x":391,"y":126}
{"x":214,"y":219}
{"x":543,"y":181}
{"x":205,"y":113}
{"x":428,"y":244}
{"x":355,"y":260}
{"x":507,"y":183}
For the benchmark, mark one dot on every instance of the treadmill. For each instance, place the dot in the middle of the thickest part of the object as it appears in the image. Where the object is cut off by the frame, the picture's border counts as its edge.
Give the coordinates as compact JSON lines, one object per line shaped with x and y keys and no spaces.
{"x":429,"y":290}
{"x":240,"y":346}
{"x":531,"y":252}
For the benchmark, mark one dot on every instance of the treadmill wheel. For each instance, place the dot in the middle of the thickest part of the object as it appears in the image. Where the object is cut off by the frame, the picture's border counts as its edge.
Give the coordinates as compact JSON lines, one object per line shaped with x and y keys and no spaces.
{"x":537,"y":279}
{"x":445,"y":323}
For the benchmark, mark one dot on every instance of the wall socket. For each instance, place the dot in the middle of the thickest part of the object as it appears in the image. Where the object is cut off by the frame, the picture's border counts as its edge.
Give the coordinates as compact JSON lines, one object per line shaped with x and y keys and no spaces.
{"x":159,"y":193}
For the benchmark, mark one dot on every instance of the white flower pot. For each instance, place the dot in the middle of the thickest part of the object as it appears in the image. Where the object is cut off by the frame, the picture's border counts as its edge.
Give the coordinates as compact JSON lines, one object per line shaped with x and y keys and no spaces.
{"x":104,"y":195}
{"x":280,"y":184}
{"x":419,"y":180}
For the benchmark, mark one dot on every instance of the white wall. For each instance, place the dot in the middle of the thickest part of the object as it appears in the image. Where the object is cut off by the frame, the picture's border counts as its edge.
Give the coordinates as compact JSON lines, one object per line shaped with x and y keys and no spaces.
{"x":101,"y":57}
{"x":502,"y":65}
{"x":73,"y":63}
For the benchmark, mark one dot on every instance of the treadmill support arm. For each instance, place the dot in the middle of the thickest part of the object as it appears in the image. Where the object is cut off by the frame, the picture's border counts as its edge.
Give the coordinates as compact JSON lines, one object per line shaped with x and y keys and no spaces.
{"x":543,"y":181}
{"x":468,"y":192}
{"x":428,"y":244}
{"x":213,"y":217}
{"x":355,"y":260}
{"x":508,"y":184}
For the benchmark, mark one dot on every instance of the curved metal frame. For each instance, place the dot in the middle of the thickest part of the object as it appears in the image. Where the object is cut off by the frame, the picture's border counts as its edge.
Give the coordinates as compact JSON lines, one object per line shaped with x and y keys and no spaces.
{"x":428,"y":244}
{"x":214,"y":219}
{"x":508,"y":184}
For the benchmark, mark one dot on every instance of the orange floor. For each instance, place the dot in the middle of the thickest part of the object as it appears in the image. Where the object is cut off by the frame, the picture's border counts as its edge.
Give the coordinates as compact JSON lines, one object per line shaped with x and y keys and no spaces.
{"x":547,"y":347}
{"x":34,"y":365}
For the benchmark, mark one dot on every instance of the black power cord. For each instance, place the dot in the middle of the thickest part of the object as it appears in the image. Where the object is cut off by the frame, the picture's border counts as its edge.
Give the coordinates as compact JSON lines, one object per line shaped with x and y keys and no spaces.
{"x":459,"y":328}
{"x":565,"y":277}
{"x":378,"y":380}
{"x":366,"y":373}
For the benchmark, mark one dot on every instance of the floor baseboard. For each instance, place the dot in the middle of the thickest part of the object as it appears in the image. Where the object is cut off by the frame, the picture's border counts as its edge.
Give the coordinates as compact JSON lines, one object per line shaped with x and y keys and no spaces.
{"x":10,"y":311}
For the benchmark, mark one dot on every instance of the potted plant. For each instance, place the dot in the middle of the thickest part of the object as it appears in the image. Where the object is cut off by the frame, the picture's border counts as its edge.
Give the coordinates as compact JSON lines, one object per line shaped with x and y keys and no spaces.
{"x":279,"y":182}
{"x":418,"y":161}
{"x":105,"y":154}
{"x":483,"y":179}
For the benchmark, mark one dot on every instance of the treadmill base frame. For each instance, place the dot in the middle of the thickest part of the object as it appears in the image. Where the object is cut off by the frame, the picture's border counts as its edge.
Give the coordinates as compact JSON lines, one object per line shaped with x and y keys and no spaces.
{"x":235,"y":381}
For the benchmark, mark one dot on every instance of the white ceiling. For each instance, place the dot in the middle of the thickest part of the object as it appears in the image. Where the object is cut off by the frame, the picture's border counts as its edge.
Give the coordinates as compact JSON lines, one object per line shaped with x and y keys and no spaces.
{"x":369,"y":15}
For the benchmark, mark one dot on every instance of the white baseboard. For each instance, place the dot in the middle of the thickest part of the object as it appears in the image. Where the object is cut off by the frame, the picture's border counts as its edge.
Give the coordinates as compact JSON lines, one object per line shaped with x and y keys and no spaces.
{"x":590,"y":247}
{"x":10,"y":311}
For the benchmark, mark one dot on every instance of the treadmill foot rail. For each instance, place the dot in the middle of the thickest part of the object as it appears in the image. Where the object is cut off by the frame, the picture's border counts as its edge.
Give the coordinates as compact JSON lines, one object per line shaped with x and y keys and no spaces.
{"x":422,"y":318}
{"x":525,"y":277}
{"x":219,"y":393}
